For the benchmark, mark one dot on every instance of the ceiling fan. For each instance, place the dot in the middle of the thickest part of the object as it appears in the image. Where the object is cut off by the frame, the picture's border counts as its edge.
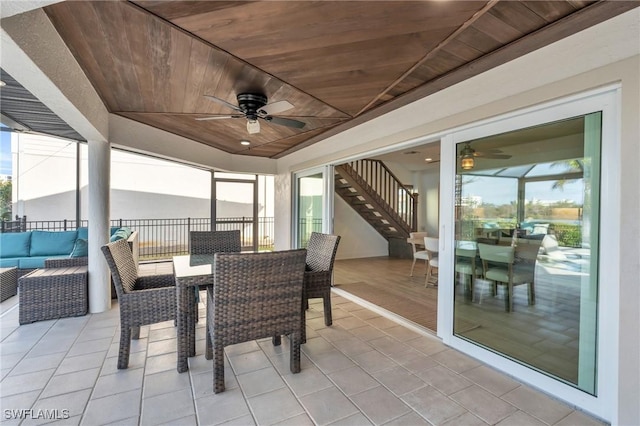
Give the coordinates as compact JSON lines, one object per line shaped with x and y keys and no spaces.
{"x":254,"y":106}
{"x":468,"y":154}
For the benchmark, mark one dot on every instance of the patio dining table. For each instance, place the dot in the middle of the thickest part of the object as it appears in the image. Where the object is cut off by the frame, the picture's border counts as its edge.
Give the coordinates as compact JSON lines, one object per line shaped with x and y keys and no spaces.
{"x":191,"y":272}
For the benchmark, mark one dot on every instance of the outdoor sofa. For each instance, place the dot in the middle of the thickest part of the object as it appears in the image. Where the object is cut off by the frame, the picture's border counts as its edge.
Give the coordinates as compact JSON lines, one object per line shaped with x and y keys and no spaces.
{"x":29,"y":250}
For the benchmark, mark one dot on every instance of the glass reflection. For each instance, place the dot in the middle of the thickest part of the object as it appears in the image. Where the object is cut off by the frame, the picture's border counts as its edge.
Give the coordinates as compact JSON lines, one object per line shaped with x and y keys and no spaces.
{"x":526,"y":247}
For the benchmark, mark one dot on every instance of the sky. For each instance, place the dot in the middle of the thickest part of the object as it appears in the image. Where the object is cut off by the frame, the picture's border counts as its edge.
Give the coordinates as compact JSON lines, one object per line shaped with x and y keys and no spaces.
{"x":5,"y":153}
{"x":504,"y":190}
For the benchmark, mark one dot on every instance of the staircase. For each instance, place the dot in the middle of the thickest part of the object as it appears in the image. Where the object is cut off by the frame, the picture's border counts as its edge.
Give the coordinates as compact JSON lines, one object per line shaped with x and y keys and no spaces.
{"x":373,"y":191}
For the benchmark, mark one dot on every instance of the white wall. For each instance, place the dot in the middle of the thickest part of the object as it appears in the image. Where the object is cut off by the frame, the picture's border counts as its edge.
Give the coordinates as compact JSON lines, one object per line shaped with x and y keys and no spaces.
{"x":43,"y":168}
{"x":403,"y":174}
{"x":357,"y":238}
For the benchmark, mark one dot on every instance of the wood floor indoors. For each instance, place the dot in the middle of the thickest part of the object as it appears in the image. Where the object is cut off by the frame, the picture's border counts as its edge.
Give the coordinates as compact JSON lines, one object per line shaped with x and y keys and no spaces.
{"x":385,"y":282}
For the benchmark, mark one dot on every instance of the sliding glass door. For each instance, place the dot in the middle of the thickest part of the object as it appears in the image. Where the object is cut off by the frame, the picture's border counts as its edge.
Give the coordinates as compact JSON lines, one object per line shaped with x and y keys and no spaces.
{"x":313,"y":204}
{"x":236,"y":206}
{"x":527,"y":225}
{"x":527,"y":246}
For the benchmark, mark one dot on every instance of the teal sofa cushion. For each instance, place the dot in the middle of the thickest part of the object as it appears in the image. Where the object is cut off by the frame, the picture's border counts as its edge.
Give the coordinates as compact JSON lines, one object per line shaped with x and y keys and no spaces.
{"x":80,"y":248}
{"x":121,"y":234}
{"x":32,"y":262}
{"x":36,"y":261}
{"x":83,"y":233}
{"x":46,"y":243}
{"x":9,"y":262}
{"x":14,"y":244}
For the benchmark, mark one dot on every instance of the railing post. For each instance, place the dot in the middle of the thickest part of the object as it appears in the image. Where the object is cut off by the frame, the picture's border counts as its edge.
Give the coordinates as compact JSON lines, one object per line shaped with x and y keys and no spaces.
{"x":64,"y":224}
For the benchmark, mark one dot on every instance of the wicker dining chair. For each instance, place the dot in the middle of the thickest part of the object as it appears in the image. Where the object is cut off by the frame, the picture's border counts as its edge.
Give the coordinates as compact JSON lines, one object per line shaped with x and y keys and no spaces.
{"x":143,"y":300}
{"x":210,"y":242}
{"x":255,"y":295}
{"x":321,"y":254}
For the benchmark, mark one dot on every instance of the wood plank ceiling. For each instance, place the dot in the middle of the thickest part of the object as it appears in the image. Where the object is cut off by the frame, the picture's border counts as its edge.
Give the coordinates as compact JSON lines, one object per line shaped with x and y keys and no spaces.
{"x":339,"y":63}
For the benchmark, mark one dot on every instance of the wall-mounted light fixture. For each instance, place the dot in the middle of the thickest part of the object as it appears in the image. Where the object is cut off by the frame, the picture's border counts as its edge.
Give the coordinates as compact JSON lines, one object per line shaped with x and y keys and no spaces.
{"x":467,"y":161}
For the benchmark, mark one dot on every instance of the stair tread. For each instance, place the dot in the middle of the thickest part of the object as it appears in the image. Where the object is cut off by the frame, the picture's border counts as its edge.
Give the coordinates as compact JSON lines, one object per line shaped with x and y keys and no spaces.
{"x":356,"y":193}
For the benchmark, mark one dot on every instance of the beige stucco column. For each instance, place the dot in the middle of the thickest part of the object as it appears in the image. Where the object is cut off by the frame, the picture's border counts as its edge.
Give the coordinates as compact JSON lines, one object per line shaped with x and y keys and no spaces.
{"x":99,"y":207}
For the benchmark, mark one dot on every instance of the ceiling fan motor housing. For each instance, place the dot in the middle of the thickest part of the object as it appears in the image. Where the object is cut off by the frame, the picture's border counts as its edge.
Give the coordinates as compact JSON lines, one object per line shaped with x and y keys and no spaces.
{"x":251,"y":103}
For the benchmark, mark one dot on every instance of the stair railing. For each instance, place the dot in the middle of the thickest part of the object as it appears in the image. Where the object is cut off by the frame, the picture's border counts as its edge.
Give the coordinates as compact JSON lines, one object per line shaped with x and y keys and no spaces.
{"x":382,"y":180}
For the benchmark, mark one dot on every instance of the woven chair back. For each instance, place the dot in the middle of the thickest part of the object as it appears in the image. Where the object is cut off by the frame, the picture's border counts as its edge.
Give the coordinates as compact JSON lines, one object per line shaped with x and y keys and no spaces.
{"x":123,"y":268}
{"x":210,"y":242}
{"x":257,"y":295}
{"x":321,"y":251}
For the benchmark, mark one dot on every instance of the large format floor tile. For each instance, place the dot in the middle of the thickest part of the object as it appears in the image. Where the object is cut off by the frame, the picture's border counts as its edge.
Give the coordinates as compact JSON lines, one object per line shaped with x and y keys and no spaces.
{"x":363,"y":370}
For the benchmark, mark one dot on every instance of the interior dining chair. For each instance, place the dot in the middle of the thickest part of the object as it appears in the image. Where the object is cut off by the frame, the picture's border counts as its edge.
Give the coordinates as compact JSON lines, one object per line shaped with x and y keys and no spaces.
{"x":255,"y":295}
{"x":416,"y":239}
{"x":498,"y":266}
{"x":143,"y":299}
{"x":431,"y":247}
{"x":321,"y":254}
{"x":211,"y":242}
{"x":466,"y":266}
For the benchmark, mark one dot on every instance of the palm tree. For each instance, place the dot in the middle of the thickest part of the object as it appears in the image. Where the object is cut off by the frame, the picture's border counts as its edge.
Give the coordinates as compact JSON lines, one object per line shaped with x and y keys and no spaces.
{"x":573,"y":166}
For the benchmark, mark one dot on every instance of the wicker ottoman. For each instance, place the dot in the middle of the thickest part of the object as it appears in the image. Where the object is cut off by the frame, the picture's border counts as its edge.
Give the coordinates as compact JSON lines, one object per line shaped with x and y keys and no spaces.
{"x":8,"y":283}
{"x":53,"y":293}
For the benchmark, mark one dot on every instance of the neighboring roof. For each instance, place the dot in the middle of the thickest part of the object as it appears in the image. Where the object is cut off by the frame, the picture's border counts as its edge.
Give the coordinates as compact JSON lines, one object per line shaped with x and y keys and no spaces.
{"x":21,"y":111}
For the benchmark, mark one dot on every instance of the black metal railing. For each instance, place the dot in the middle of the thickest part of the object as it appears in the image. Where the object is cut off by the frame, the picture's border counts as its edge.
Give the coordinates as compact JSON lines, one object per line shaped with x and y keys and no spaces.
{"x":306,"y":227}
{"x":162,"y":238}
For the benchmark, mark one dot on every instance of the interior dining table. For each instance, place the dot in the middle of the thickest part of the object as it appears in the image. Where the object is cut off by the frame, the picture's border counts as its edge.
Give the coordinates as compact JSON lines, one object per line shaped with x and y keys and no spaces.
{"x":191,"y":272}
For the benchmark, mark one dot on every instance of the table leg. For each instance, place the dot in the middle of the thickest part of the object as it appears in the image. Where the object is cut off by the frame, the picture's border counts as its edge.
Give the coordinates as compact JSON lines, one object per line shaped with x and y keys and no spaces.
{"x":191,"y":321}
{"x":184,"y":300}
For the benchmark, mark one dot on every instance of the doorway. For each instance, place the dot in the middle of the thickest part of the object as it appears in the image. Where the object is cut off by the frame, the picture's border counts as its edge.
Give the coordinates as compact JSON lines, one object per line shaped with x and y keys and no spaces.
{"x":313,"y":205}
{"x":235,"y":206}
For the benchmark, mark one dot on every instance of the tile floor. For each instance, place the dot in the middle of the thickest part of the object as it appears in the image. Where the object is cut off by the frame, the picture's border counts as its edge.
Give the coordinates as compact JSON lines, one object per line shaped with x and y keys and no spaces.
{"x":365,"y":369}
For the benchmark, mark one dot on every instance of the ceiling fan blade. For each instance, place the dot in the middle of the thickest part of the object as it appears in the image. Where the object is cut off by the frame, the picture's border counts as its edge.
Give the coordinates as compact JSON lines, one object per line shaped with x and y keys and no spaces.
{"x":218,"y":117}
{"x":223,"y":102}
{"x":275,"y":107}
{"x":285,"y":122}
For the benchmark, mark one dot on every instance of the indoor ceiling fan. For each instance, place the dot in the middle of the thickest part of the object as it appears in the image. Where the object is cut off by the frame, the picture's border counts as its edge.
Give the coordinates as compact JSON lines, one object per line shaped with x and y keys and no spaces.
{"x":254,"y":107}
{"x":467,"y":156}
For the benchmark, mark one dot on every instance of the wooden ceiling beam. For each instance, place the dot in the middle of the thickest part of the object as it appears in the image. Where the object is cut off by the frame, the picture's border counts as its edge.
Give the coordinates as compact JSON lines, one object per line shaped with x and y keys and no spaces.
{"x":431,"y":53}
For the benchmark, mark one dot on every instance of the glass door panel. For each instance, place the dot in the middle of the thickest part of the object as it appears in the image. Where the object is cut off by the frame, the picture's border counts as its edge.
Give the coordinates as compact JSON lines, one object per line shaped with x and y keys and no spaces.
{"x":526,"y":230}
{"x":236,"y":208}
{"x":310,"y":194}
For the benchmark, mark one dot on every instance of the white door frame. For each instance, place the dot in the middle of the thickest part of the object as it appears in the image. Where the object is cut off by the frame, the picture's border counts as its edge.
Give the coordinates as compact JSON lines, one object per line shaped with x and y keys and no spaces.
{"x":606,"y":100}
{"x":328,"y":176}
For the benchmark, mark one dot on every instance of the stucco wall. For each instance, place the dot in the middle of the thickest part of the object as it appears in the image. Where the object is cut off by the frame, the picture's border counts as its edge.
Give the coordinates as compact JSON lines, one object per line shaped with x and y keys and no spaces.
{"x":358,"y":238}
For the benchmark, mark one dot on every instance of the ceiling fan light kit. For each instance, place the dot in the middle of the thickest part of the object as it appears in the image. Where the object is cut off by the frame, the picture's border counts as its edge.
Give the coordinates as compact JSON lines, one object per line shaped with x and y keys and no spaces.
{"x":468,"y":154}
{"x":253,"y":126}
{"x":466,"y":158}
{"x":254,"y":106}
